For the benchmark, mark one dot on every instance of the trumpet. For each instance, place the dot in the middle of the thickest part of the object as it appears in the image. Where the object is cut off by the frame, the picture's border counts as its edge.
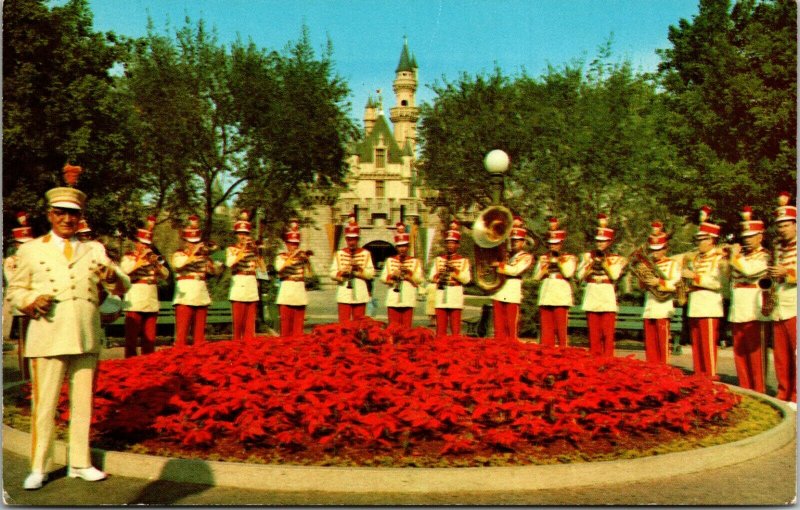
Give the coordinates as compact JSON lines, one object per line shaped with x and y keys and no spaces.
{"x":552,"y":262}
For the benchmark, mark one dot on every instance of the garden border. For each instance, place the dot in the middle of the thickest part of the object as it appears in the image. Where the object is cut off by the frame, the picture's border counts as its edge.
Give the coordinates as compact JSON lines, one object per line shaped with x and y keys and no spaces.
{"x":289,"y":478}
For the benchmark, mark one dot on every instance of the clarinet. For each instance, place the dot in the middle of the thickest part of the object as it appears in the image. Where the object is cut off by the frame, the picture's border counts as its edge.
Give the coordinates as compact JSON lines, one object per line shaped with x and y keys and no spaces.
{"x":351,"y":282}
{"x":444,"y":278}
{"x":398,"y":284}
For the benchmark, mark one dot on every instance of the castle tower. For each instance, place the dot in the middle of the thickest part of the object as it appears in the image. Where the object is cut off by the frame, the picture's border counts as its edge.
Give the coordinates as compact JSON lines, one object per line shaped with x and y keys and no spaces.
{"x":405,"y":114}
{"x":370,"y":115}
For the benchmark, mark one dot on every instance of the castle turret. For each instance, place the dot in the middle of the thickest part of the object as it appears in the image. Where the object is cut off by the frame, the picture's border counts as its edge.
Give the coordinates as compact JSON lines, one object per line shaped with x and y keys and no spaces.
{"x":405,"y":114}
{"x":369,"y":115}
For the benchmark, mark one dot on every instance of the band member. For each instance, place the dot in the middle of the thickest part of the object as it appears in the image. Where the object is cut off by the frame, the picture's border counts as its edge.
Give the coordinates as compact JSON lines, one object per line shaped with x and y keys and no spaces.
{"x":507,"y":298}
{"x":783,"y":271}
{"x":145,"y":268}
{"x":748,"y":264}
{"x":351,"y":268}
{"x":55,"y":284}
{"x":601,"y":269}
{"x":244,"y":261}
{"x":11,"y":315}
{"x":292,"y":265}
{"x":554,"y":269}
{"x":403,"y":274}
{"x":706,"y":271}
{"x":660,"y":280}
{"x":192,"y":266}
{"x":84,"y":232}
{"x":450,"y":272}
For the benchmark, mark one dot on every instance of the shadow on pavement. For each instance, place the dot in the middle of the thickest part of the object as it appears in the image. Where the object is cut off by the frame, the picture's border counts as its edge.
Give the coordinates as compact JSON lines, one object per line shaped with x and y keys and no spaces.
{"x":165,"y":492}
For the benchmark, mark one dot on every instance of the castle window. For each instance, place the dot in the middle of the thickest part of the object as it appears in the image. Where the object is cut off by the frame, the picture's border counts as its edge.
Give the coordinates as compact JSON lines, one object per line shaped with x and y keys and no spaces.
{"x":380,"y":189}
{"x":380,"y":158}
{"x":403,"y":103}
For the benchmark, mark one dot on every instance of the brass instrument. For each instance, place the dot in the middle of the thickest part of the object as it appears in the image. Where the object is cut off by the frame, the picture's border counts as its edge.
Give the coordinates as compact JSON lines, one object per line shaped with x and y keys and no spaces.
{"x":684,"y":284}
{"x":768,"y":289}
{"x":444,"y":278}
{"x":552,"y":262}
{"x":490,"y":232}
{"x":298,"y":258}
{"x":401,"y":275}
{"x":645,"y":269}
{"x":350,"y":274}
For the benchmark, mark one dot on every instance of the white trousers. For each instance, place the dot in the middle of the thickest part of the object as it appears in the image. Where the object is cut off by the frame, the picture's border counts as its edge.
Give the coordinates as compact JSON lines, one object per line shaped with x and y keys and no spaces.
{"x":47,"y":376}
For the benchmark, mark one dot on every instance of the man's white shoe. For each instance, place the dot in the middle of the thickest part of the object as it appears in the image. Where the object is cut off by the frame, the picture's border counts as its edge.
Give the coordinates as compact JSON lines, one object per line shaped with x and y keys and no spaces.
{"x":34,"y":480}
{"x":793,"y":405}
{"x":90,"y":474}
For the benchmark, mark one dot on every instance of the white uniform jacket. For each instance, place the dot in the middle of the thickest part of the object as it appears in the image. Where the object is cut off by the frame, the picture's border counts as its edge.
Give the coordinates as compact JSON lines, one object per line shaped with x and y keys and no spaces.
{"x":292,"y":291}
{"x":451,"y":293}
{"x":600,"y":295}
{"x":143,"y":294}
{"x":705,"y":291}
{"x":670,"y":275}
{"x":746,"y":270}
{"x":402,"y":293}
{"x":73,"y":324}
{"x":190,"y":278}
{"x":555,"y":274}
{"x":786,"y":289}
{"x":357,"y":292}
{"x":511,"y":290}
{"x":244,"y":285}
{"x":9,"y":267}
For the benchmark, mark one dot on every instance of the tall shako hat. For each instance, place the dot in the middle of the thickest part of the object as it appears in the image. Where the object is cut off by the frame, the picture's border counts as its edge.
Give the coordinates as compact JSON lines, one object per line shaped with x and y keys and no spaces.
{"x":784,"y":211}
{"x":554,"y":235}
{"x":401,"y":237}
{"x":706,"y":229}
{"x":453,"y":232}
{"x":657,"y":239}
{"x":518,"y":230}
{"x":749,"y":226}
{"x":603,"y":232}
{"x":145,"y":235}
{"x":192,"y":232}
{"x":352,"y":229}
{"x":67,"y":197}
{"x":24,"y":232}
{"x":292,"y":234}
{"x":83,"y":227}
{"x":243,"y":224}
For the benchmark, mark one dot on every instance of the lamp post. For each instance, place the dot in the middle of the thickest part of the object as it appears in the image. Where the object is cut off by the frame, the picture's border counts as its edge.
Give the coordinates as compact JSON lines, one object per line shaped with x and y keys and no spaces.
{"x":496,"y":163}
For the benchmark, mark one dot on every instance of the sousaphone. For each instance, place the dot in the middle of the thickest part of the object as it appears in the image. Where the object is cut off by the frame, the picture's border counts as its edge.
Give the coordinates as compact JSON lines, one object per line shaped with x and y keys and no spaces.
{"x":490,"y":232}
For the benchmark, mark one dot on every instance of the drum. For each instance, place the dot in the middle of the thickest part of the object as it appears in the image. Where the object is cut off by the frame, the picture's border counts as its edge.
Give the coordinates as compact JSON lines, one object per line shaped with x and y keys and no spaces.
{"x":110,"y":309}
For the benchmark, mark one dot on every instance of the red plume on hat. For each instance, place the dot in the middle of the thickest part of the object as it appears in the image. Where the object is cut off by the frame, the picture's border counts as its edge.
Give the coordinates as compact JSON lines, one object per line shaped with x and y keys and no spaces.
{"x":150,"y":223}
{"x":194,"y":221}
{"x":705,"y":213}
{"x":783,"y":197}
{"x":71,"y":174}
{"x":657,"y":227}
{"x":454,"y":224}
{"x":22,"y":218}
{"x":602,"y":220}
{"x":552,"y":223}
{"x":746,"y":213}
{"x":401,"y":228}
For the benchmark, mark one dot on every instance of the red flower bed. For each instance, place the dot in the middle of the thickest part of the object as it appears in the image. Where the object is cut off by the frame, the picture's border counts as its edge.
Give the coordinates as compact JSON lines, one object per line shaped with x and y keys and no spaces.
{"x":362,"y":386}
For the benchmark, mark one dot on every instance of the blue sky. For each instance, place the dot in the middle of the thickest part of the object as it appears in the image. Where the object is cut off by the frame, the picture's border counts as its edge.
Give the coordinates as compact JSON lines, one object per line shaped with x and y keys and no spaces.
{"x":447,"y":37}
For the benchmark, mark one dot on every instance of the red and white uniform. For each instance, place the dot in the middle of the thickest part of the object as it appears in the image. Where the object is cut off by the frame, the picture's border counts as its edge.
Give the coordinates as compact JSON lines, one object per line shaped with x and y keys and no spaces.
{"x":600,"y":300}
{"x":555,"y":296}
{"x":784,"y":323}
{"x":401,"y":298}
{"x":191,"y":295}
{"x":353,"y":300}
{"x":450,"y":298}
{"x":704,"y":308}
{"x":656,"y":314}
{"x":507,"y":298}
{"x":748,"y":325}
{"x":141,"y":303}
{"x":243,"y":293}
{"x":292,"y":298}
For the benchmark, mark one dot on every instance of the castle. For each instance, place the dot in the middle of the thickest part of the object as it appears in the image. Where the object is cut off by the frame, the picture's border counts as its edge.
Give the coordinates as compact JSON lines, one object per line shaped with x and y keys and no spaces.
{"x":383,"y":187}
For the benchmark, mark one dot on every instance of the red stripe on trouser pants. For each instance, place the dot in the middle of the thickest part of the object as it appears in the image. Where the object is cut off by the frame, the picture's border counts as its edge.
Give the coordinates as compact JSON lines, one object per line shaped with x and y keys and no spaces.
{"x":552,"y":325}
{"x":140,"y":325}
{"x":601,"y":327}
{"x":402,"y":316}
{"x":348,"y":312}
{"x":292,"y":319}
{"x":656,"y":340}
{"x":785,"y":352}
{"x":506,"y":316}
{"x":704,"y":344}
{"x":749,"y":354}
{"x":243,"y":315}
{"x":445,"y":317}
{"x":190,"y":318}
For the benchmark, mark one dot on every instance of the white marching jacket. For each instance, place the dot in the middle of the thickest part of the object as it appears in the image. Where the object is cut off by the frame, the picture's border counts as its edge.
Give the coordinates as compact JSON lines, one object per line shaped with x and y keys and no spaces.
{"x":555,"y":274}
{"x":746,"y":270}
{"x":511,"y":290}
{"x":143,"y":294}
{"x":402,"y":293}
{"x":705,"y":292}
{"x":451,"y":295}
{"x":292,"y":291}
{"x":786,"y":289}
{"x":343,"y":260}
{"x":600,"y":295}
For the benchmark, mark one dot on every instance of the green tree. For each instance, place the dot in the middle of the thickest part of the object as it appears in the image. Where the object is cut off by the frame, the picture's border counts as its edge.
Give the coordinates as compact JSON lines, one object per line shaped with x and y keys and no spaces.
{"x":60,"y":104}
{"x":730,"y":83}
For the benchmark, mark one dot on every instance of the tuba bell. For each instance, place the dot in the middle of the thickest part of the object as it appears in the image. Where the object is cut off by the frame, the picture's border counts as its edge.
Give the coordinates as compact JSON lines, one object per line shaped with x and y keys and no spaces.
{"x":490,"y":232}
